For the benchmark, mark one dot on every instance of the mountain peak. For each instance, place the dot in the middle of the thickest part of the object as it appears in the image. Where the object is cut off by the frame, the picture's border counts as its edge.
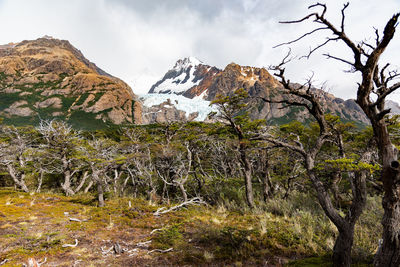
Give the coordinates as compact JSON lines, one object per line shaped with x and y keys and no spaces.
{"x":48,"y":37}
{"x":49,"y":78}
{"x":186,"y":63}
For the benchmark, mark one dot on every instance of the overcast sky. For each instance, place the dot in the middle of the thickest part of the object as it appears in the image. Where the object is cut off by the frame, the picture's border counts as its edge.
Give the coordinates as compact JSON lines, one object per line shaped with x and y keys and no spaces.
{"x":139,"y":40}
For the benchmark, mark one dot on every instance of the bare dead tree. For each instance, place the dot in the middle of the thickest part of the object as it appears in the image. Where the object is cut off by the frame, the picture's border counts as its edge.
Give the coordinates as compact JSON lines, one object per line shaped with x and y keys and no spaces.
{"x":379,"y":81}
{"x":177,"y":173}
{"x":99,"y":155}
{"x":304,"y":96}
{"x":140,"y":169}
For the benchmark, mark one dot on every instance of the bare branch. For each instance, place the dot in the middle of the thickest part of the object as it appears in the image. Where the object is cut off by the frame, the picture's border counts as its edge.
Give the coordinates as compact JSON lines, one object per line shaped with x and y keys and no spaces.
{"x":382,"y":96}
{"x":193,"y":201}
{"x":288,"y":102}
{"x":318,"y":47}
{"x":319,"y":5}
{"x":343,"y":16}
{"x":155,"y":230}
{"x":301,"y":37}
{"x":269,"y":138}
{"x":338,"y":58}
{"x":340,"y":35}
{"x":377,"y":36}
{"x":160,"y":250}
{"x":382,"y":114}
{"x":71,"y":245}
{"x":300,"y":20}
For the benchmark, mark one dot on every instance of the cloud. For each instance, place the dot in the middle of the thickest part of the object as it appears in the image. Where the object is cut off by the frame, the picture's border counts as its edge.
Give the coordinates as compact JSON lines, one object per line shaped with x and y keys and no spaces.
{"x":139,"y":41}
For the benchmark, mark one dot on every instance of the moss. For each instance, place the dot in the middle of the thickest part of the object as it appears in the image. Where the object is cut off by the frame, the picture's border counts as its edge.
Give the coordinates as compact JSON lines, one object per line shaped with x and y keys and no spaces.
{"x":167,"y":237}
{"x":313,"y":261}
{"x":36,"y":225}
{"x":82,"y":99}
{"x":96,"y":98}
{"x":86,"y":121}
{"x":67,"y":102}
{"x":3,"y":76}
{"x":7,"y":100}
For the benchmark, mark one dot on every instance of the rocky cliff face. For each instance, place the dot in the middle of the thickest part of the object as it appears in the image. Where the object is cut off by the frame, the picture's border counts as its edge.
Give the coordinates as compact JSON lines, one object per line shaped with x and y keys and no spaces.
{"x":394,"y":107}
{"x":49,"y":78}
{"x":192,"y":79}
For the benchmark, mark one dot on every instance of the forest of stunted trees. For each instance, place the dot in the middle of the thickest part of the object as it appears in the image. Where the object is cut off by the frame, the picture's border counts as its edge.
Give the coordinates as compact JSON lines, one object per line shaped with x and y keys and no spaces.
{"x":238,"y":160}
{"x":176,"y":162}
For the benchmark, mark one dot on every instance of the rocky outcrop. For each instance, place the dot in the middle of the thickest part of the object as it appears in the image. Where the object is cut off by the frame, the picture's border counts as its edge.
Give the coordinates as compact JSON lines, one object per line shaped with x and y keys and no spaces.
{"x":53,"y":78}
{"x":18,"y":108}
{"x":164,"y":112}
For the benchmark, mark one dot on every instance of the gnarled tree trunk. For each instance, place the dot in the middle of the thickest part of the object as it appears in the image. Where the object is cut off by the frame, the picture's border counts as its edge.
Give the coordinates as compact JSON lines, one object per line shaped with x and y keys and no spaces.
{"x":266,"y":183}
{"x":343,"y":244}
{"x":66,"y":185}
{"x":20,"y":182}
{"x":389,"y":252}
{"x":247,"y":175}
{"x":100,"y":194}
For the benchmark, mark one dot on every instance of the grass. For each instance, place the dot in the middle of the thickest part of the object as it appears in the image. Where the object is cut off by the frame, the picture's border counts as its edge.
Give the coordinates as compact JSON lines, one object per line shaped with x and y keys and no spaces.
{"x":38,"y":225}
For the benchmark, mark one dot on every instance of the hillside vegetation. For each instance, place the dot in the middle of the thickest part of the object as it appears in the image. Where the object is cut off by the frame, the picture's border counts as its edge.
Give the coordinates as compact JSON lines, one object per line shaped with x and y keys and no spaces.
{"x":49,"y":78}
{"x":108,"y":190}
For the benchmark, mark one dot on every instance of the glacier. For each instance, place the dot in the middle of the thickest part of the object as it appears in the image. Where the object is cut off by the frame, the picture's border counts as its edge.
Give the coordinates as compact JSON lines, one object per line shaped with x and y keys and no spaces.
{"x":180,"y":102}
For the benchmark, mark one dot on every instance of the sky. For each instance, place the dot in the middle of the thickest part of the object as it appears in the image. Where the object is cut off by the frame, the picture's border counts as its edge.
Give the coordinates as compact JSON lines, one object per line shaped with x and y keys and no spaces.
{"x":139,"y":40}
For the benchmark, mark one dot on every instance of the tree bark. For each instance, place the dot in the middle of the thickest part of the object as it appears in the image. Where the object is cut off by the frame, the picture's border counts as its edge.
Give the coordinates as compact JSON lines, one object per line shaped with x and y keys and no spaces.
{"x":39,"y":187}
{"x":344,"y":242}
{"x":267,"y":185}
{"x":66,"y":186}
{"x":183,"y":191}
{"x":85,"y":176}
{"x":247,"y":175}
{"x":335,"y":188}
{"x":18,"y":182}
{"x":100,"y":191}
{"x":378,"y":82}
{"x":342,"y":249}
{"x":389,"y":253}
{"x":100,"y":194}
{"x":88,"y":187}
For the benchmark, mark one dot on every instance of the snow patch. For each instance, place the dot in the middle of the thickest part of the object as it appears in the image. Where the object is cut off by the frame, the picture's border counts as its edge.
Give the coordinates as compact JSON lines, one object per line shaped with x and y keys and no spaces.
{"x":176,"y":85}
{"x":186,"y":63}
{"x":202,"y":95}
{"x":180,"y":102}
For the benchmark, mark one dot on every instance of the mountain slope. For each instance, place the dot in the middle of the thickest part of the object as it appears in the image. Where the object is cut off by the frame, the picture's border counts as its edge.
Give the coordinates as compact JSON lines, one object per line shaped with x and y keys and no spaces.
{"x":49,"y":78}
{"x":191,"y":78}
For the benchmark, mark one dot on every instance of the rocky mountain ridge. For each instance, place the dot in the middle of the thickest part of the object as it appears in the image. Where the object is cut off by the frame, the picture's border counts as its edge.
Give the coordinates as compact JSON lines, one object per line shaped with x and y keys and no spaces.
{"x":50,"y":78}
{"x":192,"y":78}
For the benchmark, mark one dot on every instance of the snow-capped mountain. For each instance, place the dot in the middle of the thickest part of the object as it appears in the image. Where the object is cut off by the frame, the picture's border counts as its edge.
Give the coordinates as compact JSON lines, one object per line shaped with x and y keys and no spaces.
{"x":191,"y":79}
{"x":187,"y":74}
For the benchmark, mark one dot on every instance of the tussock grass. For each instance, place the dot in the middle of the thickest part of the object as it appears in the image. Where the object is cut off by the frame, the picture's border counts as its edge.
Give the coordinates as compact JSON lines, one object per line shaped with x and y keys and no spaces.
{"x":292,"y":231}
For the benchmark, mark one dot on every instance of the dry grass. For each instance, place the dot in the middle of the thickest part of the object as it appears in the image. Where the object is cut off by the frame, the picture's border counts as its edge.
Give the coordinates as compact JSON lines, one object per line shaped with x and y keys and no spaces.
{"x":37,"y":226}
